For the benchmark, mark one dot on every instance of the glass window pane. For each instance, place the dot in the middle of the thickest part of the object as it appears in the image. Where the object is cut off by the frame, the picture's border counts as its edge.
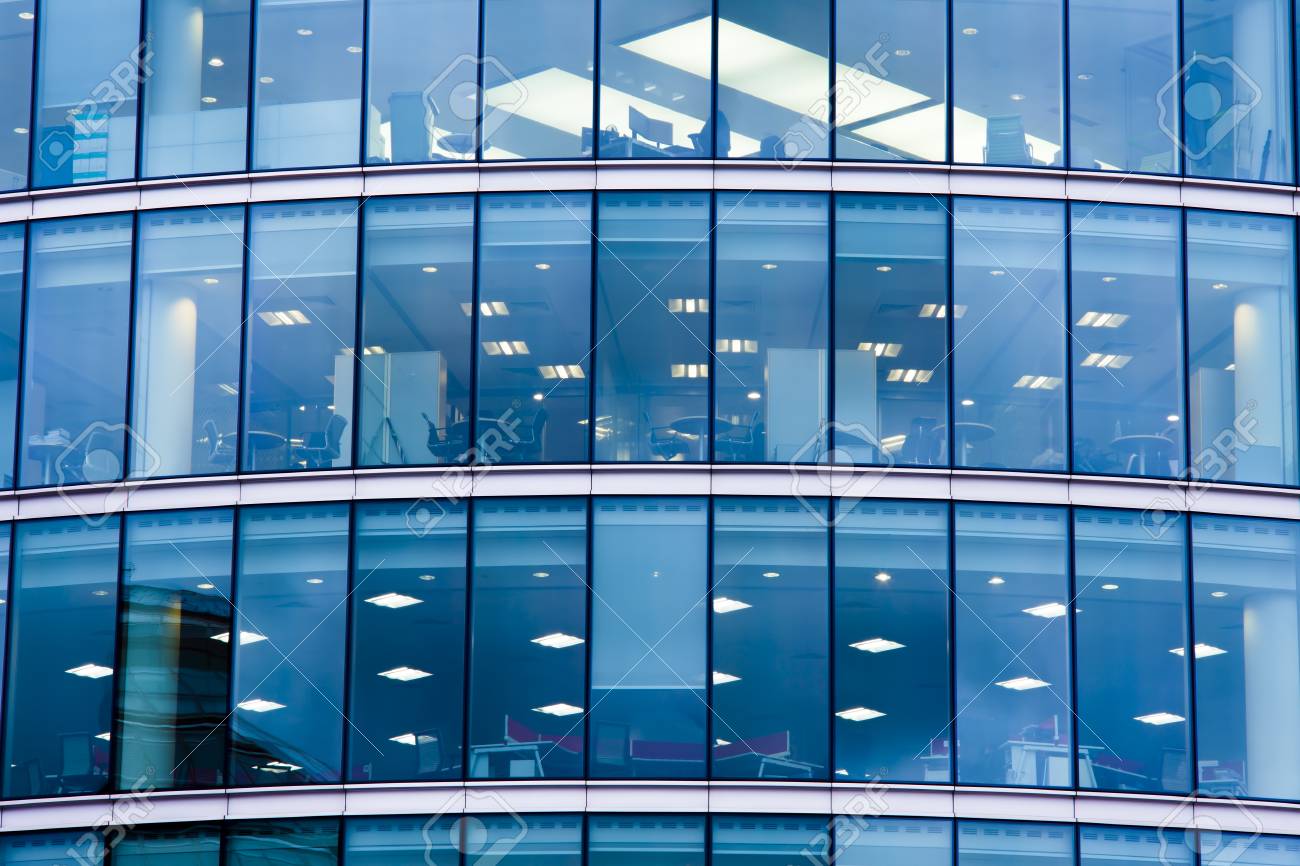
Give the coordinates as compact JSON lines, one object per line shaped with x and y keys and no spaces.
{"x":528,"y":840}
{"x":1123,"y":105}
{"x":86,"y":91}
{"x":416,"y":308}
{"x":1014,"y":843}
{"x":763,"y":840}
{"x":891,"y":628}
{"x":169,"y":845}
{"x":421,"y":81}
{"x":1237,"y":89}
{"x":537,"y":79}
{"x":1127,"y":302}
{"x":891,"y":330}
{"x":54,"y":848}
{"x":770,"y":327}
{"x":1012,"y":646}
{"x":408,"y":645}
{"x":78,"y":307}
{"x":59,"y":706}
{"x":889,"y":74}
{"x":1242,"y":346}
{"x":196,"y":99}
{"x":403,"y":842}
{"x":649,"y":656}
{"x":645,"y":840}
{"x":1130,"y":594}
{"x":1007,"y":81}
{"x":308,"y":96}
{"x":1009,"y":334}
{"x":300,"y":329}
{"x":1137,"y":846}
{"x":292,"y":582}
{"x":12,"y":260}
{"x":773,"y":79}
{"x":286,"y":842}
{"x":189,"y":288}
{"x":879,"y":841}
{"x":1246,"y":656}
{"x":655,"y":98}
{"x":535,"y":259}
{"x":174,"y":689}
{"x":1252,"y":849}
{"x":652,"y":327}
{"x":526,"y":708}
{"x":771,"y":674}
{"x":17,"y":32}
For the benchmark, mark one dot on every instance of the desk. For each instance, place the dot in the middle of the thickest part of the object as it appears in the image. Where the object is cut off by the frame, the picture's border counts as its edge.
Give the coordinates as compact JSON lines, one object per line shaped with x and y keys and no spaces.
{"x":46,"y":449}
{"x":261,"y":440}
{"x":965,"y":435}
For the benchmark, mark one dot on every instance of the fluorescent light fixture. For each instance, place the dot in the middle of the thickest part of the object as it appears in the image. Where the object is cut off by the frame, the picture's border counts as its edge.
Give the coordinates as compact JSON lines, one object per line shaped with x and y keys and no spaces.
{"x":1094,"y":319}
{"x":890,"y":444}
{"x":373,"y":350}
{"x":688,"y":305}
{"x":909,"y":376}
{"x":505,"y":347}
{"x":562,"y":371}
{"x":1200,"y":651}
{"x":877,"y":645}
{"x":245,"y":637}
{"x":280,"y":767}
{"x":1159,"y":719}
{"x":557,"y":640}
{"x":493,"y":308}
{"x":413,"y":739}
{"x":259,"y":705}
{"x":1099,"y":359}
{"x":719,"y":678}
{"x":888,"y":350}
{"x":689,"y":371}
{"x":230,"y":390}
{"x":560,"y":709}
{"x":106,"y":736}
{"x":277,"y":318}
{"x":1039,"y":383}
{"x":940,"y":311}
{"x":404,"y":674}
{"x":718,"y":741}
{"x":1023,"y":684}
{"x":90,"y":671}
{"x":741,"y":347}
{"x":393,"y":600}
{"x":722,"y":604}
{"x":1050,"y":610}
{"x":859,"y":714}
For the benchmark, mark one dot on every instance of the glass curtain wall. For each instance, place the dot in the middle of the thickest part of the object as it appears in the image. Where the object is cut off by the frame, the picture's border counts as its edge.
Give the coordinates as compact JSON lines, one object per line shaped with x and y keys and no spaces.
{"x":17,"y":35}
{"x":13,"y":259}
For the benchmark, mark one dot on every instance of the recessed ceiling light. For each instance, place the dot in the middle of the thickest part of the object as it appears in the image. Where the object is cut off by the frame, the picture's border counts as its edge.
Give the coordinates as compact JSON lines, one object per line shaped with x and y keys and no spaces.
{"x":245,"y":637}
{"x":542,"y":266}
{"x":99,"y":593}
{"x":769,"y":266}
{"x":560,"y":709}
{"x":405,"y":674}
{"x":1200,"y":651}
{"x":969,"y":31}
{"x":859,"y":714}
{"x":541,"y":574}
{"x":902,"y":52}
{"x":20,"y":130}
{"x":1110,"y":587}
{"x":883,"y":577}
{"x":314,"y":581}
{"x":413,"y":739}
{"x":210,"y":281}
{"x":305,"y":31}
{"x":884,"y":269}
{"x":1109,"y":279}
{"x":557,"y":640}
{"x":207,"y":586}
{"x":722,"y":604}
{"x":208,"y":100}
{"x":259,"y":705}
{"x":90,"y":671}
{"x":1017,"y":97}
{"x":1159,"y":719}
{"x":1218,"y":593}
{"x":877,"y":645}
{"x":266,"y":79}
{"x":754,"y":395}
{"x":428,"y":577}
{"x":1023,"y":684}
{"x":1219,"y":286}
{"x":720,"y":679}
{"x":393,"y":600}
{"x":430,"y":269}
{"x":996,"y":581}
{"x":1084,"y":76}
{"x":997,"y":272}
{"x":1171,"y":418}
{"x":968,"y":402}
{"x":1050,"y":610}
{"x":354,"y":49}
{"x":104,"y":736}
{"x":216,"y":63}
{"x":771,"y":574}
{"x":27,"y":16}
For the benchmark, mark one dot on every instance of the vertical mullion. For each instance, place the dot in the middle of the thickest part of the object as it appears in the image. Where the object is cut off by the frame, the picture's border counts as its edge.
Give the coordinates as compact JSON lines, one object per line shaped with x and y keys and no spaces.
{"x":349,"y":639}
{"x":468,"y":637}
{"x":245,"y":305}
{"x":1068,"y":238}
{"x":358,"y":366}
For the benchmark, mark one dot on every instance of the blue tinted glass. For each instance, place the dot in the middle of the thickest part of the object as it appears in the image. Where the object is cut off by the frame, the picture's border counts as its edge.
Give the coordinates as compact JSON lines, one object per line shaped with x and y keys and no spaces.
{"x":530,"y":840}
{"x":1012,"y":646}
{"x":891,"y":653}
{"x":645,"y":840}
{"x":55,"y":848}
{"x":1007,"y":82}
{"x":529,"y":661}
{"x":12,"y":259}
{"x":537,"y":79}
{"x":1246,"y":656}
{"x":299,"y":330}
{"x":534,"y":261}
{"x":308,"y":92}
{"x":185,"y":389}
{"x":1122,"y":60}
{"x":652,"y":327}
{"x":1136,"y":846}
{"x":286,"y":842}
{"x":648,"y":641}
{"x":403,"y":842}
{"x":764,"y":840}
{"x":1007,"y":843}
{"x":169,"y":845}
{"x":655,"y":98}
{"x":773,"y":77}
{"x":78,"y":311}
{"x":420,"y":80}
{"x":1237,"y":89}
{"x":408,"y":645}
{"x":892,"y":841}
{"x":287,"y":686}
{"x":1009,"y":333}
{"x":891,"y":96}
{"x":1252,"y":849}
{"x":415,"y":330}
{"x":17,"y":32}
{"x":771,"y":674}
{"x":86,"y":91}
{"x":1242,"y":346}
{"x":770,"y":327}
{"x":1126,"y":341}
{"x":196,"y":99}
{"x":1130,"y":594}
{"x":170,"y":728}
{"x":891,"y":330}
{"x":58,"y":718}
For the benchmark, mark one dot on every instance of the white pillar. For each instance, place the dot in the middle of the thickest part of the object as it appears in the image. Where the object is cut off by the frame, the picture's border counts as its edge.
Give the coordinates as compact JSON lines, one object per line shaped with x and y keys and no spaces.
{"x":176,"y":27}
{"x":168,"y":359}
{"x":1254,"y":23}
{"x":1257,"y":382}
{"x":1272,"y":680}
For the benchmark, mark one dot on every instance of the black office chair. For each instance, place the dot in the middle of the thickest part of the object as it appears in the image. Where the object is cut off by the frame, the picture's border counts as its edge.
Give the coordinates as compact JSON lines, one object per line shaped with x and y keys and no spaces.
{"x":221,"y":454}
{"x":323,"y":448}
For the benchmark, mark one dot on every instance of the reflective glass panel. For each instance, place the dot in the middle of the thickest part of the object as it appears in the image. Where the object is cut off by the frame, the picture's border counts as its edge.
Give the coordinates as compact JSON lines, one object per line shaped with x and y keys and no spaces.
{"x":656,"y":68}
{"x":421,"y":81}
{"x":1252,"y":849}
{"x":1014,"y":843}
{"x":1009,"y":335}
{"x":645,"y":840}
{"x":300,"y":330}
{"x":1242,"y":346}
{"x":891,"y":330}
{"x":770,"y":319}
{"x":529,"y":661}
{"x":1130,"y":597}
{"x":415,"y":330}
{"x":285,"y":842}
{"x":535,"y":259}
{"x":1138,"y":846}
{"x":185,"y":390}
{"x":196,"y":99}
{"x":1007,"y":81}
{"x":773,"y":78}
{"x":652,"y":327}
{"x":170,"y":726}
{"x":771,"y":677}
{"x":649,"y":654}
{"x":308,"y":90}
{"x":78,"y":311}
{"x":54,"y":848}
{"x":892,"y":841}
{"x":408,"y":644}
{"x":763,"y":840}
{"x":384,"y":841}
{"x":528,"y":840}
{"x":537,"y":79}
{"x":286,"y":726}
{"x":59,"y":705}
{"x":891,"y":89}
{"x":12,"y":260}
{"x":169,"y":845}
{"x":17,"y":32}
{"x":1126,"y":340}
{"x":891,"y":651}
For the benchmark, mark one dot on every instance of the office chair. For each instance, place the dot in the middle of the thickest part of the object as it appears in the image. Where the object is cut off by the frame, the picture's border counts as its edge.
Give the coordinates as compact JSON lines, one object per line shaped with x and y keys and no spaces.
{"x":1004,"y":141}
{"x":220,"y":453}
{"x":323,"y":448}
